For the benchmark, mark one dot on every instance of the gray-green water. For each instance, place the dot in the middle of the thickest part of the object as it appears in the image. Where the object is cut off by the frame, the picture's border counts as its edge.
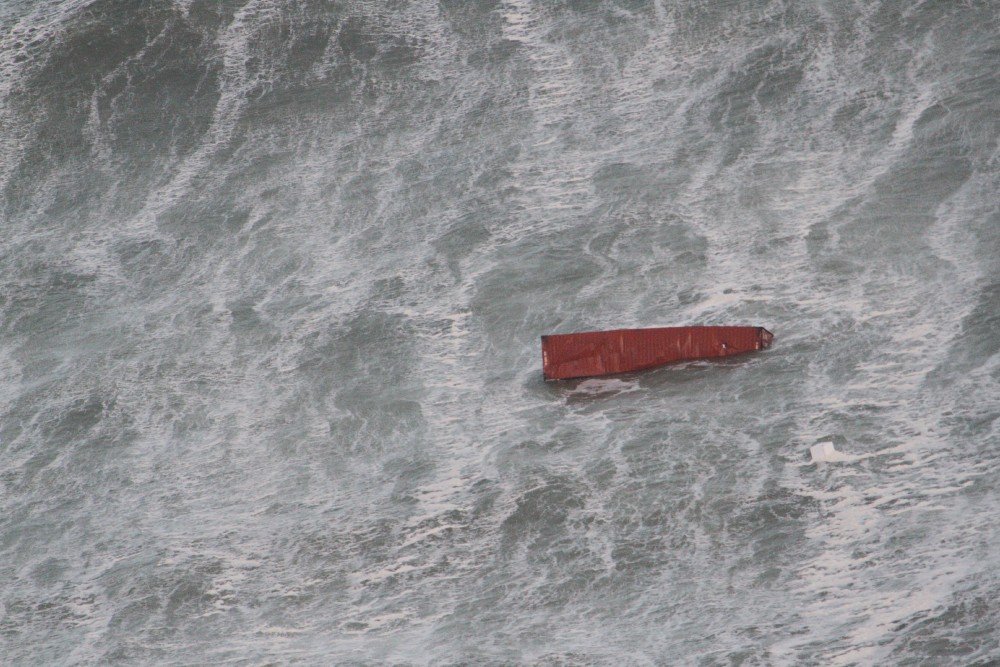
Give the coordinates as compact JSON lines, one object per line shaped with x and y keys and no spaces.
{"x":272,"y":281}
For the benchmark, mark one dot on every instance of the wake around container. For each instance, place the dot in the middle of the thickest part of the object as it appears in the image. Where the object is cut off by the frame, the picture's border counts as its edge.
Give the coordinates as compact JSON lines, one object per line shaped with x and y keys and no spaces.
{"x":595,"y":353}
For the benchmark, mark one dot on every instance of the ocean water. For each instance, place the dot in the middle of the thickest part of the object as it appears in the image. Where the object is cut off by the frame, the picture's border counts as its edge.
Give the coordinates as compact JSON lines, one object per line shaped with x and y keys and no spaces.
{"x":272,"y":281}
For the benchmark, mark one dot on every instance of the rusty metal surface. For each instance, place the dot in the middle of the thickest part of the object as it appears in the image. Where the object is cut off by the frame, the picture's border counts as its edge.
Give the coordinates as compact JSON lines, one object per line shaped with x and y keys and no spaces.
{"x":594,"y":353}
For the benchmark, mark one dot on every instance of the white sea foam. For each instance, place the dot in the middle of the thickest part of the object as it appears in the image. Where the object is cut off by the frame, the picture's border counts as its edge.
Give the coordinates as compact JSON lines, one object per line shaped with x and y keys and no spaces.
{"x":603,"y":386}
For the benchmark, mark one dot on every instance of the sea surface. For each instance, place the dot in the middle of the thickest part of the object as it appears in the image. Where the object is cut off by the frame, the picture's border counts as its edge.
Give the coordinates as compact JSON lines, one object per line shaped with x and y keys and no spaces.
{"x":273,"y":275}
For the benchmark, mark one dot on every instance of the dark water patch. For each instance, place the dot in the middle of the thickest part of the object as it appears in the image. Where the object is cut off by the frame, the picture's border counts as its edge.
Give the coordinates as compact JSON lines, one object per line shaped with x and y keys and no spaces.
{"x":365,"y":369}
{"x":476,"y":20}
{"x":359,"y":197}
{"x":71,"y":445}
{"x":642,"y":552}
{"x":200,"y":223}
{"x":616,"y":180}
{"x":153,"y":266}
{"x":648,"y":246}
{"x":41,"y":309}
{"x":780,"y":70}
{"x":358,"y":40}
{"x":81,"y":417}
{"x":50,"y":572}
{"x":162,"y":102}
{"x":154,"y":86}
{"x":730,"y":112}
{"x":601,"y":473}
{"x":328,"y":102}
{"x":643,"y":7}
{"x":531,"y":456}
{"x":211,"y":15}
{"x":964,"y":630}
{"x":374,"y":49}
{"x":494,"y":53}
{"x":762,"y":84}
{"x":255,"y":330}
{"x":978,"y":342}
{"x":151,"y":603}
{"x":861,"y":117}
{"x":462,"y":240}
{"x":308,"y":45}
{"x":885,"y":228}
{"x":931,"y":117}
{"x":540,"y":515}
{"x":506,"y":296}
{"x":410,"y":473}
{"x":771,"y":525}
{"x":138,"y":257}
{"x":57,"y":617}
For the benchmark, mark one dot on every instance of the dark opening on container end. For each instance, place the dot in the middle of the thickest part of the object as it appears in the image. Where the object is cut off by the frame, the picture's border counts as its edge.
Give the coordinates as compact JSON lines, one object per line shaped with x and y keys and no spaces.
{"x":765,"y":338}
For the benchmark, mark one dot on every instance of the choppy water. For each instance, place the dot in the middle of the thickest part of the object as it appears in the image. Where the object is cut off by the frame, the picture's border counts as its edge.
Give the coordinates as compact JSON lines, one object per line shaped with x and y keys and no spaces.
{"x":272,"y":281}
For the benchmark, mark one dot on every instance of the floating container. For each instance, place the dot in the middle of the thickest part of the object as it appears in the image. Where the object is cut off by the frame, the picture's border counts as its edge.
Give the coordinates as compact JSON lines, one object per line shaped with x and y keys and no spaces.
{"x":594,"y":353}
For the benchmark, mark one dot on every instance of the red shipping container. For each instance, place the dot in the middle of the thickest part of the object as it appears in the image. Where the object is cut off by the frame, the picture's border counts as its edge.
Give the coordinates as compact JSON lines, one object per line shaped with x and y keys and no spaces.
{"x":623,"y":350}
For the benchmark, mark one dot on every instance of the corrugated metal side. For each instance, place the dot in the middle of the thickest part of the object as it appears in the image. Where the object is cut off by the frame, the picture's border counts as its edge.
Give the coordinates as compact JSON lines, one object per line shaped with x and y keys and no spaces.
{"x":622,"y":350}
